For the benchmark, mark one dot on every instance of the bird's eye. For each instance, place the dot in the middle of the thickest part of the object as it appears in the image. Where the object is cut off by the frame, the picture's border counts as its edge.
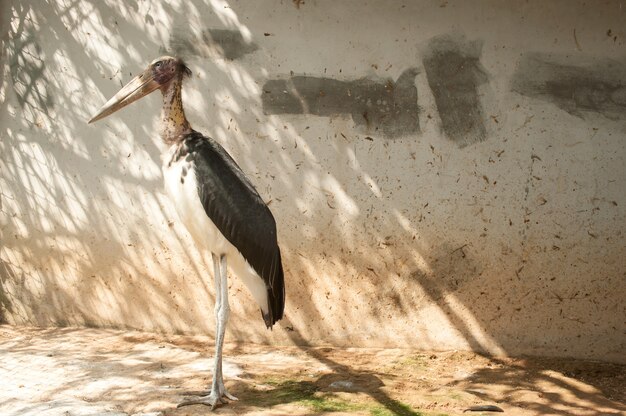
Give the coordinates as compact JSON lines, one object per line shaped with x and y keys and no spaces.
{"x":158,"y":64}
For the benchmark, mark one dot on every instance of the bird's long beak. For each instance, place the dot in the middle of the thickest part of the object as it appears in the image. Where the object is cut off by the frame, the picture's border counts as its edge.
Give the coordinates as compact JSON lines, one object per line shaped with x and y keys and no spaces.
{"x":142,"y":85}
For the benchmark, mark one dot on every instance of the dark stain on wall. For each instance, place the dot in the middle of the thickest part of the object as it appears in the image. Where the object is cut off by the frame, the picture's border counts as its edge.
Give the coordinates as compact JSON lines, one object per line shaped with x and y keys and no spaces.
{"x":454,"y":73}
{"x":228,"y":43}
{"x":378,"y":106}
{"x":588,"y":86}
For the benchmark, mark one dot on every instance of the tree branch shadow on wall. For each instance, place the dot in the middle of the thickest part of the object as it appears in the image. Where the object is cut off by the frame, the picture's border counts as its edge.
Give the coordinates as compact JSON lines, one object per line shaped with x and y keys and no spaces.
{"x":33,"y":194}
{"x":51,"y":212}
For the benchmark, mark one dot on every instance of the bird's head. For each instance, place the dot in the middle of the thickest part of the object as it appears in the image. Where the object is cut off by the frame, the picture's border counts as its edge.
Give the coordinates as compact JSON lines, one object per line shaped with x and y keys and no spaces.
{"x":158,"y":75}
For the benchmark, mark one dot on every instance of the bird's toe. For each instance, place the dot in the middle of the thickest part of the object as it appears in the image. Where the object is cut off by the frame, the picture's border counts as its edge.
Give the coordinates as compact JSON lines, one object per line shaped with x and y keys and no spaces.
{"x":211,"y":399}
{"x":230,"y":396}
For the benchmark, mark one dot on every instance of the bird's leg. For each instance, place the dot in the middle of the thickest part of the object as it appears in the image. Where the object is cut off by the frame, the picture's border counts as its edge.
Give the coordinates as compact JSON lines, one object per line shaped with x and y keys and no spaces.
{"x":222,"y":311}
{"x":221,"y":316}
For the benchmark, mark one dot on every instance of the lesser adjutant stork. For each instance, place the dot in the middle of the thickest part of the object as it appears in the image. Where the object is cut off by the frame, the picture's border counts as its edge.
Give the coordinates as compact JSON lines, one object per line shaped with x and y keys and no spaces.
{"x":217,"y":203}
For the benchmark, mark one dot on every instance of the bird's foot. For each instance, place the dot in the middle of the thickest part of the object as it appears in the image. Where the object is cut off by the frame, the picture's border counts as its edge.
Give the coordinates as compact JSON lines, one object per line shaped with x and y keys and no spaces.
{"x":209,"y":398}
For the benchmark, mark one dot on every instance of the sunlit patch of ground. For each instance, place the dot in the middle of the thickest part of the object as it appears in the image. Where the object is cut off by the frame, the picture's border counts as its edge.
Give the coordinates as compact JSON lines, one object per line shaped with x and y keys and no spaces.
{"x":76,"y":371}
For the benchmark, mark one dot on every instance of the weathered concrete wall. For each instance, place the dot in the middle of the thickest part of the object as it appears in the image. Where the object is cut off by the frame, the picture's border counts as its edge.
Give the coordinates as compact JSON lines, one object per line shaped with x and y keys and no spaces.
{"x":443,"y":174}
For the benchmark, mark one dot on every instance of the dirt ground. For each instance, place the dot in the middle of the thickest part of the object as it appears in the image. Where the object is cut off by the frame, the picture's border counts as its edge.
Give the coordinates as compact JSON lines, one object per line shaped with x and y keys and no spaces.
{"x":77,"y":371}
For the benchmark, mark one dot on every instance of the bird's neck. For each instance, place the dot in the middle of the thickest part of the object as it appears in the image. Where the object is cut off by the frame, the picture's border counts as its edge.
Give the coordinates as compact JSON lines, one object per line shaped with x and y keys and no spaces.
{"x":174,"y":124}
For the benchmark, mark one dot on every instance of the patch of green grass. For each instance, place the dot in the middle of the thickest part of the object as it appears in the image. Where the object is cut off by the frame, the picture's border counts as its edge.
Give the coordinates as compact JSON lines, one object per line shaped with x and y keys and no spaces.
{"x":393,"y":408}
{"x":327,"y":404}
{"x":286,"y":391}
{"x":305,"y":393}
{"x":416,"y":360}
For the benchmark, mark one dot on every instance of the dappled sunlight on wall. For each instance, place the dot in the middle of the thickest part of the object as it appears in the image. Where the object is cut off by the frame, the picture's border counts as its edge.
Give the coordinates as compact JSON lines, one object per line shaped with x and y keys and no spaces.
{"x":74,"y":196}
{"x":419,"y":239}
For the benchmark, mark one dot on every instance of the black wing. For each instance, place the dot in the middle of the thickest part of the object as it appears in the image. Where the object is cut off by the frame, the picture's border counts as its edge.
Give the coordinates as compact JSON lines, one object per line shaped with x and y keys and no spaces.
{"x":235,"y":207}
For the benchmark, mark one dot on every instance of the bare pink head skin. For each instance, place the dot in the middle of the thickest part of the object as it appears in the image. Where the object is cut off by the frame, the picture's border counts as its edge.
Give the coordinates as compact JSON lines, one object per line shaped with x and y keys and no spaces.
{"x":166,"y":74}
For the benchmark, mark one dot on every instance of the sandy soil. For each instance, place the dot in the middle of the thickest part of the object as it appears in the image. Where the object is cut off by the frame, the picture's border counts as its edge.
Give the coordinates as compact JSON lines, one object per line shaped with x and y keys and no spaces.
{"x":75,"y":371}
